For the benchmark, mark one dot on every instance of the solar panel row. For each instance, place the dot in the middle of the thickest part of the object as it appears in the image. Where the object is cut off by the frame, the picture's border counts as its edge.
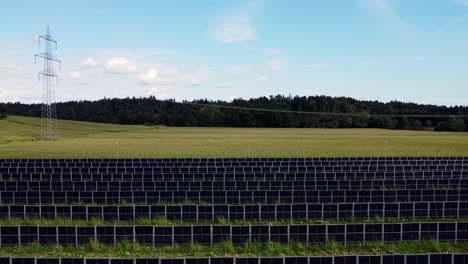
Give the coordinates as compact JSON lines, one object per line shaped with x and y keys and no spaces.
{"x":233,"y":197}
{"x":232,"y":176}
{"x":237,"y":234}
{"x":226,"y":169}
{"x":210,"y":213}
{"x":230,"y":185}
{"x":365,"y":259}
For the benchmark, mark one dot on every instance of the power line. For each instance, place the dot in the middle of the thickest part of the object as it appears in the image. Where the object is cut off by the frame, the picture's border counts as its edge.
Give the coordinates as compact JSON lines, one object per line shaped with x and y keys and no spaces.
{"x":315,"y":113}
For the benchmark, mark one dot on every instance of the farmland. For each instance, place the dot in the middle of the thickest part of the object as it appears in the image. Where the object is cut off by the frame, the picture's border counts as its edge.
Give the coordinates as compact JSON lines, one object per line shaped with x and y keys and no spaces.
{"x":85,"y":140}
{"x":290,"y":201}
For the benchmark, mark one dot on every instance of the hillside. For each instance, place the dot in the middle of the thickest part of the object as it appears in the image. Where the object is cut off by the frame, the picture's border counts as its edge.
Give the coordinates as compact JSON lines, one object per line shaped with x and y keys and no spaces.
{"x":85,"y":139}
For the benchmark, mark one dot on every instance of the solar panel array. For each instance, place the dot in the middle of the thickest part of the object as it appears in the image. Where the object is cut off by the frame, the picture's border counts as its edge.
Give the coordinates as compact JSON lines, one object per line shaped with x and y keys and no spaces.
{"x":237,"y":234}
{"x":233,"y":197}
{"x":285,"y":185}
{"x":247,"y":212}
{"x":199,"y":192}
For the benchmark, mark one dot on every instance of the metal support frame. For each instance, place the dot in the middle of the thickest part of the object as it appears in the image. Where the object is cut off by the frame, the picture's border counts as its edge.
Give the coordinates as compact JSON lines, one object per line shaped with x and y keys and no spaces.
{"x":49,"y":111}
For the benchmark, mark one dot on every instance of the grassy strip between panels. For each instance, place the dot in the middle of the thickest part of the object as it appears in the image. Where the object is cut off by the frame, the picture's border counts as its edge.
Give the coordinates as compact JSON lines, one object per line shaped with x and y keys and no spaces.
{"x":127,"y":249}
{"x":162,"y":221}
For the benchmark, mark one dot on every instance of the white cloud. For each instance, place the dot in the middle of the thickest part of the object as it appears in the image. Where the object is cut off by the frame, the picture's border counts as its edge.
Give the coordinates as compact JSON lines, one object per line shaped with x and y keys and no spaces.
{"x":320,"y":65}
{"x":234,"y":28}
{"x":232,"y":98}
{"x":237,"y":69}
{"x":150,"y":77}
{"x":160,"y":75}
{"x":120,"y":65}
{"x":272,"y":51}
{"x":10,"y":67}
{"x":23,"y":95}
{"x":371,"y":61}
{"x":263,"y":78}
{"x":194,"y":81}
{"x":199,"y":75}
{"x":225,"y":85}
{"x":165,"y":96}
{"x":159,"y":93}
{"x":76,"y":75}
{"x":3,"y":94}
{"x":7,"y":47}
{"x":152,"y":91}
{"x":276,"y":64}
{"x":88,"y":63}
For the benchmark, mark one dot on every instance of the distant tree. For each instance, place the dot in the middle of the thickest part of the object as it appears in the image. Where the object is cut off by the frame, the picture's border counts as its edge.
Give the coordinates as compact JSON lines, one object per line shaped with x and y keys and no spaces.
{"x":403,"y":123}
{"x":330,"y":124}
{"x":428,"y":124}
{"x":361,"y":122}
{"x":416,"y":124}
{"x":3,"y":111}
{"x":456,"y":124}
{"x":440,"y":126}
{"x":381,"y":122}
{"x":209,"y":116}
{"x":452,"y":124}
{"x":345,"y":122}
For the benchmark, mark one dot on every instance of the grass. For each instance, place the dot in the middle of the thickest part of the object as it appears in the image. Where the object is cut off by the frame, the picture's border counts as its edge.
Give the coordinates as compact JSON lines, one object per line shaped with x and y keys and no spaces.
{"x":162,"y":221}
{"x":85,"y":139}
{"x":125,"y":249}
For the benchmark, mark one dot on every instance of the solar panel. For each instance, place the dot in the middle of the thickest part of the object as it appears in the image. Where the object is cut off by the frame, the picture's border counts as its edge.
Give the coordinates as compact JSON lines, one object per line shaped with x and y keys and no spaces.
{"x":259,"y":233}
{"x":23,"y":261}
{"x":197,"y":261}
{"x":67,"y":235}
{"x":163,"y":236}
{"x":72,"y":260}
{"x":28,"y":234}
{"x":85,"y":234}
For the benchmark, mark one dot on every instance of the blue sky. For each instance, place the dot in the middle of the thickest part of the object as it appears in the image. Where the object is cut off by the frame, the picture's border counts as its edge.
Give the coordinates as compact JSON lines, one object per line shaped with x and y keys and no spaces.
{"x":367,"y":49}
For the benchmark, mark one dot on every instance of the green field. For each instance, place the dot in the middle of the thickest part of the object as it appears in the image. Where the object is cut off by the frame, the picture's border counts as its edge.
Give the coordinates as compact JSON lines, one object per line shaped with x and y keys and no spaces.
{"x":84,"y":139}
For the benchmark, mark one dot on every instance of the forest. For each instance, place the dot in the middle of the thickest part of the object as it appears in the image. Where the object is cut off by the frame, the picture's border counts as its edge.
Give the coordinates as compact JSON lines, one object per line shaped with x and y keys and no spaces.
{"x":3,"y":111}
{"x":151,"y":111}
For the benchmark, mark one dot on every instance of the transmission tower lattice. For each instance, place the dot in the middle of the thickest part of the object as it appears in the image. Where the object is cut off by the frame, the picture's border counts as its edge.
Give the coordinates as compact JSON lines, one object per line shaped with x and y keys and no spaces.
{"x":49,"y":80}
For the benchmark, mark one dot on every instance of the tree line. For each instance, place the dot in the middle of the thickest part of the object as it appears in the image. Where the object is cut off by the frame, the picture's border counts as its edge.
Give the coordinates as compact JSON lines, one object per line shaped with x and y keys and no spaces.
{"x":3,"y":111}
{"x":151,"y":111}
